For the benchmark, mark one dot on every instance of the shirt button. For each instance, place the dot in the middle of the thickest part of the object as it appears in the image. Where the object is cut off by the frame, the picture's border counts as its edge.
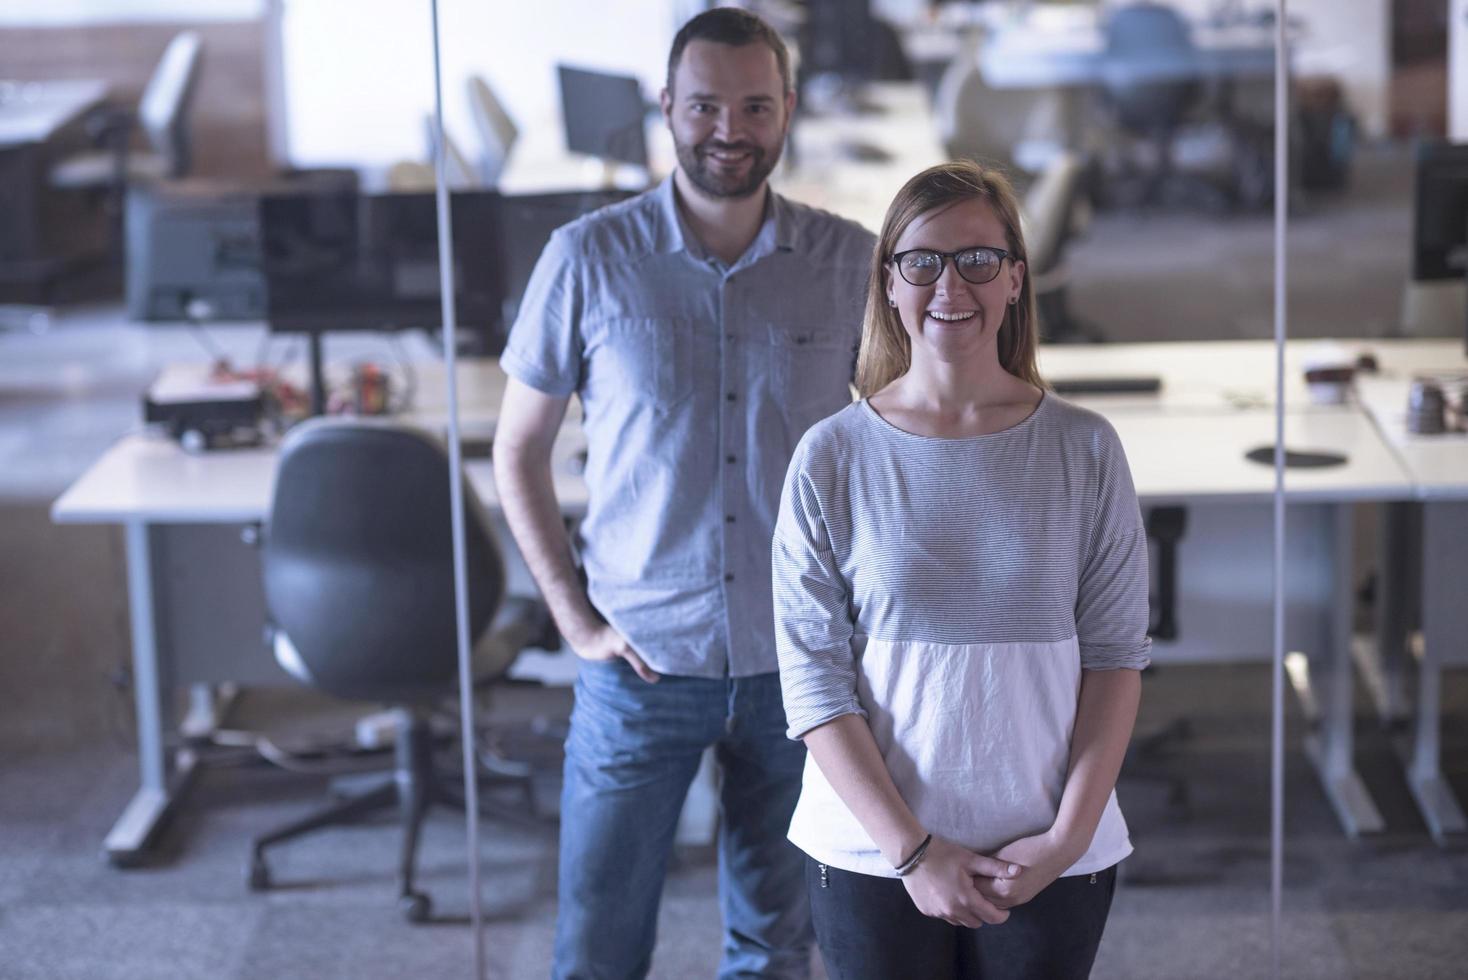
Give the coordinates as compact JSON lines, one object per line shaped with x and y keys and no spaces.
{"x":728,"y":576}
{"x":729,"y":519}
{"x":731,"y":396}
{"x":730,"y":459}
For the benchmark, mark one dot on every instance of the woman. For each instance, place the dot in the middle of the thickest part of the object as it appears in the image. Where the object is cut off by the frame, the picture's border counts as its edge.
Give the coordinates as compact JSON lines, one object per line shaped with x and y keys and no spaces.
{"x":961,"y":612}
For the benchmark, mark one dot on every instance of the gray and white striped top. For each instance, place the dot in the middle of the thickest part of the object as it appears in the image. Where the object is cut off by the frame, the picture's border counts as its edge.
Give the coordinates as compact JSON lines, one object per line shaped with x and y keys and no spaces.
{"x":951,"y":591}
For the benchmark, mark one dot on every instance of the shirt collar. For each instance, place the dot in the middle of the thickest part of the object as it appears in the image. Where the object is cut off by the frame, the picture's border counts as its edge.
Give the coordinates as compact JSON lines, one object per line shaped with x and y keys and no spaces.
{"x":776,"y":233}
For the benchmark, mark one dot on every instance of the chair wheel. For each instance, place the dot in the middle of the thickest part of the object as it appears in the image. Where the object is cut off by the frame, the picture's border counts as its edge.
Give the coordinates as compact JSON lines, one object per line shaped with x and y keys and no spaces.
{"x":259,"y":874}
{"x":416,"y":906}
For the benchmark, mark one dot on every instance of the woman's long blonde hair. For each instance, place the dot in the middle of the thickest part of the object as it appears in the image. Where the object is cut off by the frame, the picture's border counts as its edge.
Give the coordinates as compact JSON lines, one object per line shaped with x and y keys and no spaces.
{"x":886,"y":351}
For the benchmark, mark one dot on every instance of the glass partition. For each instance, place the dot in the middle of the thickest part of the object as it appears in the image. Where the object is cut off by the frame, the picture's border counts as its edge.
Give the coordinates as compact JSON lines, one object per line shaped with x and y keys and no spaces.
{"x":222,"y":222}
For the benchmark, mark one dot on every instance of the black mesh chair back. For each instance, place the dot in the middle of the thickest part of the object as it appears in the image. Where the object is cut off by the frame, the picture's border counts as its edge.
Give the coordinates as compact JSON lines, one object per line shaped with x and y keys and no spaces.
{"x":358,"y":560}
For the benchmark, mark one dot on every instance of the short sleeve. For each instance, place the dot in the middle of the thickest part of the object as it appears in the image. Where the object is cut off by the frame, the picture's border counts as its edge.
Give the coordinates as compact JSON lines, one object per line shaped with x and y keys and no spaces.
{"x":1111,"y":602}
{"x":813,"y":624}
{"x":544,"y":347}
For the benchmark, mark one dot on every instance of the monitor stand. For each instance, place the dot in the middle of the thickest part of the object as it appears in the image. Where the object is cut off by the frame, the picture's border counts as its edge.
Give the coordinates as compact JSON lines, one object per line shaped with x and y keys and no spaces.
{"x":318,"y":377}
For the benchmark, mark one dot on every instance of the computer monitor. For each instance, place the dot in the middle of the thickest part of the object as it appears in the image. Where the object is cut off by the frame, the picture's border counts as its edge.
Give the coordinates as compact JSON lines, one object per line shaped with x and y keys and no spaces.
{"x":353,"y":262}
{"x":1440,"y":212}
{"x":1440,"y":215}
{"x":526,"y":223}
{"x":604,"y":115}
{"x":839,"y":38}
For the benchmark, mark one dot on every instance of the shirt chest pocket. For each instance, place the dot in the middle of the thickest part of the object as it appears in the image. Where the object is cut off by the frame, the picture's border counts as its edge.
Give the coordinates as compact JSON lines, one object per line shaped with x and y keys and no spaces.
{"x":646,"y":358}
{"x":811,"y":366}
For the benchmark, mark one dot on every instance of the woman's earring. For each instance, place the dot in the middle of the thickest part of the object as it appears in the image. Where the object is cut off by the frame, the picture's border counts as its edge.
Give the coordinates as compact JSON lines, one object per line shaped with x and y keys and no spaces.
{"x":893,"y":302}
{"x":1013,"y":300}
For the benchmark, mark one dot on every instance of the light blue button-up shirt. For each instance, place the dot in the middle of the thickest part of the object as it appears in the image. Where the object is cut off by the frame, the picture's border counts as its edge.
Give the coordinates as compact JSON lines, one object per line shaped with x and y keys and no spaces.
{"x":696,"y":381}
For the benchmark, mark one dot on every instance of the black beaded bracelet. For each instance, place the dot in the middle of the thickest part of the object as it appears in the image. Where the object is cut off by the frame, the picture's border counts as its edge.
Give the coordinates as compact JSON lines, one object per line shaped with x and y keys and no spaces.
{"x":915,"y":858}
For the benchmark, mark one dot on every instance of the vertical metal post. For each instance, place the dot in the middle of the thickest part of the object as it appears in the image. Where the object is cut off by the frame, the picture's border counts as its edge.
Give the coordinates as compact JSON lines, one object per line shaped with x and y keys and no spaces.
{"x":1276,"y":737}
{"x":456,"y":493}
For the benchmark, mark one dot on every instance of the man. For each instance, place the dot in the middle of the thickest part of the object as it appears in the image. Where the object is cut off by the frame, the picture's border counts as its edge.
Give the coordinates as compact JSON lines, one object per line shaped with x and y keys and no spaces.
{"x":704,"y":326}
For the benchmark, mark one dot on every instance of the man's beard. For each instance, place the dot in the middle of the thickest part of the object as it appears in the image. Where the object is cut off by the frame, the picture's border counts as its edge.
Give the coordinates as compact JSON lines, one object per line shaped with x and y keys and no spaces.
{"x":693,"y":159}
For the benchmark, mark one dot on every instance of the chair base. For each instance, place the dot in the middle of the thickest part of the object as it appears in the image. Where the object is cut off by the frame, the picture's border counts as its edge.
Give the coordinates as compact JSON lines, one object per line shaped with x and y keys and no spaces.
{"x":413,"y":789}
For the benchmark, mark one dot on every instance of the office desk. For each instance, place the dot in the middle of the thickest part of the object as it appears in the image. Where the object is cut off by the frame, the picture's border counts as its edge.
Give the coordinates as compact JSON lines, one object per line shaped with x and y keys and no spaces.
{"x":197,"y":607}
{"x":1200,"y":376}
{"x":1026,"y":55}
{"x":1196,"y":458}
{"x":33,"y":112}
{"x":1427,"y":543}
{"x":195,"y":600}
{"x":42,"y":229}
{"x":1422,"y":558}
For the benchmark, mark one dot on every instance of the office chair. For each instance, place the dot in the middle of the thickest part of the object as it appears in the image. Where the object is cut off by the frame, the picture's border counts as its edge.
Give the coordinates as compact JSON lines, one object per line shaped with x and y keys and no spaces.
{"x":1145,"y":35}
{"x":1051,"y":215}
{"x":421,"y":177}
{"x":1020,"y":130}
{"x":162,"y":113}
{"x":458,"y":172}
{"x":497,"y":131}
{"x":357,"y":566}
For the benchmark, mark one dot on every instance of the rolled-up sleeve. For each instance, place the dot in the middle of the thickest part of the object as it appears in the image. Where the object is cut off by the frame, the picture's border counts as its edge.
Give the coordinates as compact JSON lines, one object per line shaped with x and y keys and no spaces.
{"x":813,"y":625}
{"x":544,"y":348}
{"x":1111,"y":601}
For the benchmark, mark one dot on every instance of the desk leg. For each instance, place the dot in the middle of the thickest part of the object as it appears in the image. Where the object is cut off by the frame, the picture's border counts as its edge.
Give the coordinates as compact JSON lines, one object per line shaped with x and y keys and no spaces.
{"x":1331,"y":745}
{"x":1384,"y":659}
{"x":1444,"y":623}
{"x":159,"y":782}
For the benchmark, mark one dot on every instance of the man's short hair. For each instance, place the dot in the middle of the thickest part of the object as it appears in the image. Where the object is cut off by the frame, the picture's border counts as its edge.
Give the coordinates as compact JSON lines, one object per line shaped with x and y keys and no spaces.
{"x":734,"y":27}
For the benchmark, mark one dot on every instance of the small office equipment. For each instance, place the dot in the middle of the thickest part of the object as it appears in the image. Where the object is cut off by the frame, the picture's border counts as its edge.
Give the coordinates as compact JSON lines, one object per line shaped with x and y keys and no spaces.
{"x":354,"y":262}
{"x":1436,"y":298}
{"x":197,"y":241}
{"x":1107,"y":385}
{"x":603,"y":115}
{"x":204,"y":413}
{"x":526,"y":223}
{"x":189,"y":241}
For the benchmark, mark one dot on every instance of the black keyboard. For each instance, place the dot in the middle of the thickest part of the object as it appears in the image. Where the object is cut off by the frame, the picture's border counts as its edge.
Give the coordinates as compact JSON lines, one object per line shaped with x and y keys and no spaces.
{"x":1134,"y":385}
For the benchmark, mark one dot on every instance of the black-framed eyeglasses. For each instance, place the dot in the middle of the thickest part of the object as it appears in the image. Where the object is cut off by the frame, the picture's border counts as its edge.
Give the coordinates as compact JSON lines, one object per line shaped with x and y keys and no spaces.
{"x":977,"y":264}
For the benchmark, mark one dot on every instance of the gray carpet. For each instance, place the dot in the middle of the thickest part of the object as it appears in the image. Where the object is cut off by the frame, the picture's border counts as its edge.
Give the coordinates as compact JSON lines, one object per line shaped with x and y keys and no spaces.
{"x":1194,"y":899}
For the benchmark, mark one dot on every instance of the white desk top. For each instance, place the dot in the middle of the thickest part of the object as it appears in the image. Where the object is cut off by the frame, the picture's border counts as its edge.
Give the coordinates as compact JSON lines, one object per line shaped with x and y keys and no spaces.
{"x":1186,"y":457}
{"x":149,"y":477}
{"x":1228,"y":375}
{"x":1438,"y":463}
{"x":30,"y":112}
{"x":1186,"y":443}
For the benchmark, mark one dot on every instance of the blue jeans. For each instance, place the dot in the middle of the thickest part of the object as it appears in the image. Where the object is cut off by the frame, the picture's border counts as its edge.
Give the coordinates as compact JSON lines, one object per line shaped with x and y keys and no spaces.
{"x":633,"y":750}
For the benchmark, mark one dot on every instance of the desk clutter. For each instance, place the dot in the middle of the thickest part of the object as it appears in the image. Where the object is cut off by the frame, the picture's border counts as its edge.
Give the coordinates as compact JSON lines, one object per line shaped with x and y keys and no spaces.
{"x":221,"y":407}
{"x":1431,"y":410}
